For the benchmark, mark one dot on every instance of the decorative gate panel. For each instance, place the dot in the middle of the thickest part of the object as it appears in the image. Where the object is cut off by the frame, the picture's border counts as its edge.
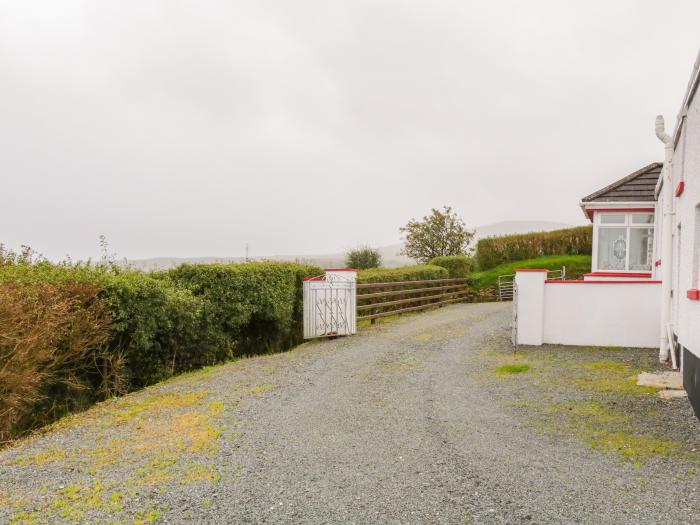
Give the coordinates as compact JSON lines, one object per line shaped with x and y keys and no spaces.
{"x":330,"y":305}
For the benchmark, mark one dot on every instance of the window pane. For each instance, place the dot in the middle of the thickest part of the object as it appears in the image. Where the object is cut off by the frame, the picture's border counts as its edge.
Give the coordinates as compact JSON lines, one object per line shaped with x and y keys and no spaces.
{"x":641,"y":248}
{"x":612,"y":218}
{"x":642,"y":218}
{"x":612,"y":248}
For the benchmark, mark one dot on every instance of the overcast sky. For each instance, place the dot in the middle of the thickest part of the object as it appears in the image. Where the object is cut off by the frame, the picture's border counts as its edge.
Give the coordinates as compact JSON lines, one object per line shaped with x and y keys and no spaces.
{"x":191,"y":128}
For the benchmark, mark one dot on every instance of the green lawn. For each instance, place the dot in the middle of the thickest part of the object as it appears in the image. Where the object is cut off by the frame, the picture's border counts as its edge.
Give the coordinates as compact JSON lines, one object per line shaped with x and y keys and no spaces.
{"x":576,"y":266}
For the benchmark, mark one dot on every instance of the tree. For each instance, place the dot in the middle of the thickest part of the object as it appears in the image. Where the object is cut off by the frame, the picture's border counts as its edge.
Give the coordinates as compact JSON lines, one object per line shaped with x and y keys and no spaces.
{"x":438,"y":234}
{"x":363,"y":258}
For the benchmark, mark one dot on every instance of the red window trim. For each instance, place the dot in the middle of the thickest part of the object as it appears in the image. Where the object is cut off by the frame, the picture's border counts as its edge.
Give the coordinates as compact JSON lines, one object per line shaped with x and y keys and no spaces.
{"x":693,"y":294}
{"x":680,"y":188}
{"x":581,"y":281}
{"x":618,"y":274}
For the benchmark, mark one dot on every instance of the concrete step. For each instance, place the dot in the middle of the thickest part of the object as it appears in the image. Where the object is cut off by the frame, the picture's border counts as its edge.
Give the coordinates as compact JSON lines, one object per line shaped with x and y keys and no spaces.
{"x":672,"y":394}
{"x":669,"y":380}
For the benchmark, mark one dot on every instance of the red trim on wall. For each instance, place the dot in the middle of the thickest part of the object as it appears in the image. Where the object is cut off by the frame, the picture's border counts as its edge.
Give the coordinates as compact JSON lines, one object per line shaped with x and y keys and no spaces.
{"x":618,"y":274}
{"x":321,"y":278}
{"x":530,"y":270}
{"x":581,"y":281}
{"x":693,"y":294}
{"x":680,"y":188}
{"x":590,"y":211}
{"x":658,"y":262}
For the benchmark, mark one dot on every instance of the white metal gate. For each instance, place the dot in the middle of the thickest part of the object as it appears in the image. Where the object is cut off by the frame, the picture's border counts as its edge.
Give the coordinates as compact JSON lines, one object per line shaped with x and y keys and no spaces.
{"x":506,"y":283}
{"x":330,"y":304}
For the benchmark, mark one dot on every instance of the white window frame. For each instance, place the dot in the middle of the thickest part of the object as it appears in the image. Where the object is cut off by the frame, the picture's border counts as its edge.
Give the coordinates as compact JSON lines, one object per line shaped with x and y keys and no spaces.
{"x":628,"y":225}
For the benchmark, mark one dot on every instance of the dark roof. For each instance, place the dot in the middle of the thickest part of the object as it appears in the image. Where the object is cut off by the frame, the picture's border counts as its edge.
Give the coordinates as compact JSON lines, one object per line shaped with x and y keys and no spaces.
{"x":637,"y":186}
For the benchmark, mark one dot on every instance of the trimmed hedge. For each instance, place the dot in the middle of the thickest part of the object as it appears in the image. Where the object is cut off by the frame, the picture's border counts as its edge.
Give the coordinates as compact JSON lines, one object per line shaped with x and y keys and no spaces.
{"x":492,"y":251}
{"x":165,"y":323}
{"x":458,"y":266}
{"x":419,"y":272}
{"x":250,"y":308}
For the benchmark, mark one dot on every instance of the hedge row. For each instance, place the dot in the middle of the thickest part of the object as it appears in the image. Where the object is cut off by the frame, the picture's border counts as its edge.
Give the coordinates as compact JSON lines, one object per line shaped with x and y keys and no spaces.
{"x":158,"y":324}
{"x":492,"y":251}
{"x":419,"y":272}
{"x":458,"y":266}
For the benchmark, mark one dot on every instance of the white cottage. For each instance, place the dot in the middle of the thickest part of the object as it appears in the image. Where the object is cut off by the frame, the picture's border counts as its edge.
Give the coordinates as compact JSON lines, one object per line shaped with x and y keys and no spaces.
{"x":678,"y":227}
{"x":644,"y":286}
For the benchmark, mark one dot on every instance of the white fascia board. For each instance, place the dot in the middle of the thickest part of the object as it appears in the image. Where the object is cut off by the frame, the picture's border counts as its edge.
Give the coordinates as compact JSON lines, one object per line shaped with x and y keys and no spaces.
{"x":616,"y":205}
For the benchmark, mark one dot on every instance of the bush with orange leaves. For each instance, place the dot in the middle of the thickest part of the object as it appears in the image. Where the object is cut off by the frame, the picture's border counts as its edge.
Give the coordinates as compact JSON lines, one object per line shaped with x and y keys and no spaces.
{"x":53,"y":353}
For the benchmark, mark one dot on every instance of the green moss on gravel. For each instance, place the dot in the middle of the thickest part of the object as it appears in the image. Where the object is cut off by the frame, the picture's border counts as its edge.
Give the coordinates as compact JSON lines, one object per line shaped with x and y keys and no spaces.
{"x":512,"y":369}
{"x":601,"y":402}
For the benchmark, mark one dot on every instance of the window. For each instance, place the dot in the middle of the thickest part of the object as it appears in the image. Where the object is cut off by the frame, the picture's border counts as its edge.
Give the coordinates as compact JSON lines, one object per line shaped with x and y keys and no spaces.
{"x":612,"y":218}
{"x":625,"y":241}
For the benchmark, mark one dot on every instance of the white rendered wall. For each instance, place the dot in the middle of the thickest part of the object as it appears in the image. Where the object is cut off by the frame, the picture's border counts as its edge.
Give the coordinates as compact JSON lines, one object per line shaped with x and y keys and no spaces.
{"x":586,"y":313}
{"x":529,"y":305}
{"x":602,"y":314}
{"x":686,"y":166}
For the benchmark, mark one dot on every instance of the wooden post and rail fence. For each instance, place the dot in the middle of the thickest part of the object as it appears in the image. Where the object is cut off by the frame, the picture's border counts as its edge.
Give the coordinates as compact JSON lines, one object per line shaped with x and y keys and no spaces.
{"x":375,"y":300}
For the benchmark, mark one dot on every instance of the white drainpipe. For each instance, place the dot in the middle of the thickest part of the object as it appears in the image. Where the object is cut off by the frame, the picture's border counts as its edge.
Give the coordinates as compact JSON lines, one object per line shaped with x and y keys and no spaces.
{"x":666,"y":245}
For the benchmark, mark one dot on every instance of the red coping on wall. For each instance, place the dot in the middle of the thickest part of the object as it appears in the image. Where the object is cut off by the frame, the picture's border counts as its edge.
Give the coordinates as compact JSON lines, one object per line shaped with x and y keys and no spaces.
{"x":618,"y":274}
{"x":581,"y":281}
{"x":680,"y":188}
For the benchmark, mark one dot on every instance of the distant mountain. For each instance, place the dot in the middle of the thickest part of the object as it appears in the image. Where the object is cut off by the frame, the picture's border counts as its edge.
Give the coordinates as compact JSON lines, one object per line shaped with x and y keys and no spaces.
{"x":390,"y":253}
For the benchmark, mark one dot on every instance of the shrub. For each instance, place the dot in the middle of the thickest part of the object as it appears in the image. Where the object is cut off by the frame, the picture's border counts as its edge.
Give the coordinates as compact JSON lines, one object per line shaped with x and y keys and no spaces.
{"x":493,"y":251}
{"x":134,"y":328}
{"x":52,"y":354}
{"x":419,"y":272}
{"x":363,"y":258}
{"x":253,"y":307}
{"x":441,"y":233}
{"x":458,"y":266}
{"x":158,"y":328}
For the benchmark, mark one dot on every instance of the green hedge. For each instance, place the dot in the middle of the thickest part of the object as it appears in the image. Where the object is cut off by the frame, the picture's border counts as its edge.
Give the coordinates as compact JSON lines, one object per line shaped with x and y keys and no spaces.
{"x":165,"y":323}
{"x":458,"y":266}
{"x":250,"y":307}
{"x":492,"y":251}
{"x":418,"y":272}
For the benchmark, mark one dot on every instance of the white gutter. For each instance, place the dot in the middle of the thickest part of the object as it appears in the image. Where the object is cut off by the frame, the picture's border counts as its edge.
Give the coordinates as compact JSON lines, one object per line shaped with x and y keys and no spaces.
{"x":667,"y":230}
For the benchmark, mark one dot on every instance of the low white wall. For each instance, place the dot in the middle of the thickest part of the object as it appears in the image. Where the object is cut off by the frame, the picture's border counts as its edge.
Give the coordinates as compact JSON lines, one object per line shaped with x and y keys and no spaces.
{"x":586,"y":313}
{"x":602,"y":314}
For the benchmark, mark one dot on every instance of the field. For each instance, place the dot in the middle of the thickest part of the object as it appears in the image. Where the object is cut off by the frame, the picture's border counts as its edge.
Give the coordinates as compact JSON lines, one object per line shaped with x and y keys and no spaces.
{"x":576,"y":266}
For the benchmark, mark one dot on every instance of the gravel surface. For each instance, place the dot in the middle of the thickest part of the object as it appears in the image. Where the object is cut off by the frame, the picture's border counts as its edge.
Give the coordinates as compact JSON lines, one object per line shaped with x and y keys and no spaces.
{"x":410,"y":421}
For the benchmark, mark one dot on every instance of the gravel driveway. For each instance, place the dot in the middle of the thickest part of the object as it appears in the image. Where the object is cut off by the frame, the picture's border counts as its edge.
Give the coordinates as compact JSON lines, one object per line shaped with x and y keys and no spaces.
{"x":419,"y":420}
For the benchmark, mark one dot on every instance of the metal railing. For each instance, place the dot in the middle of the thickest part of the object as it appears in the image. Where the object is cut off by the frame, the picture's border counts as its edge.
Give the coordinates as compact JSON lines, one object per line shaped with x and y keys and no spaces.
{"x":506,"y":283}
{"x":407,"y":296}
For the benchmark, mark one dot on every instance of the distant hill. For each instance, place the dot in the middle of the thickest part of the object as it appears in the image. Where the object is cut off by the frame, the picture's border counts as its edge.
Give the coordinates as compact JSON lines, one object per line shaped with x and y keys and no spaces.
{"x":390,"y":253}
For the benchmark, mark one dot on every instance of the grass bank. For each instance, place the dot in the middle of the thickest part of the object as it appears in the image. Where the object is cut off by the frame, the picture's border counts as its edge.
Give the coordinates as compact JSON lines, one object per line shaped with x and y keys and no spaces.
{"x":576,"y":266}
